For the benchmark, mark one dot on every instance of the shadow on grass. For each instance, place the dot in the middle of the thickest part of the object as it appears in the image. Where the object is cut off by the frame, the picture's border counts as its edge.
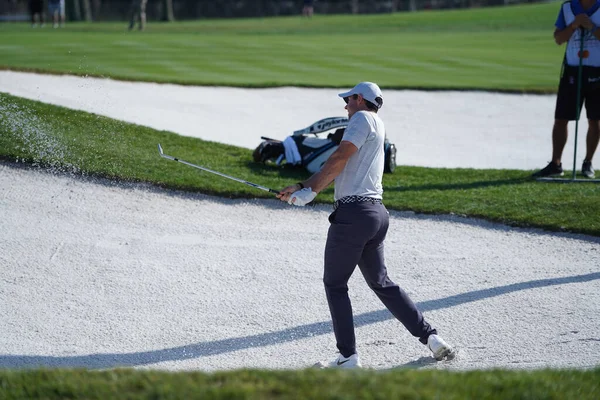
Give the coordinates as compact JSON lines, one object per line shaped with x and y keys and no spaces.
{"x":283,"y":171}
{"x":457,"y":186}
{"x":216,"y":347}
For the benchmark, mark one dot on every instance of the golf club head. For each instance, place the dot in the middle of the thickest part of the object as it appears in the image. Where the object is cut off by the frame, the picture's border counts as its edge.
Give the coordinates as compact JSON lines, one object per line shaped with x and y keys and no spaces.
{"x":160,"y":150}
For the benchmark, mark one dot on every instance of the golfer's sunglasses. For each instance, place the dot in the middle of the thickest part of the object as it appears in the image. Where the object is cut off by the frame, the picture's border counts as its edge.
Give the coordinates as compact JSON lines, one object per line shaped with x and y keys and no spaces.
{"x":347,"y":99}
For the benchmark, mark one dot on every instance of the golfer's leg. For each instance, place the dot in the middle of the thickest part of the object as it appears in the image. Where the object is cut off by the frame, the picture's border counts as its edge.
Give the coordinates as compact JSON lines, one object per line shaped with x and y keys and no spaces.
{"x":341,"y":257}
{"x":372,"y":266}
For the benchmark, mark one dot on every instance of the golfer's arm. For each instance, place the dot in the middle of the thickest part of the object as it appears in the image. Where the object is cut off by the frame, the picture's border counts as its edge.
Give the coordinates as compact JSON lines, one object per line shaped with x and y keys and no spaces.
{"x":332,"y":168}
{"x":562,"y":36}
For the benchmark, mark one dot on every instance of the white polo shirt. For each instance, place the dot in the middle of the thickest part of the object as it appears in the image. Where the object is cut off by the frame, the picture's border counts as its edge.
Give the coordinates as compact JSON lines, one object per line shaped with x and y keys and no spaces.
{"x":364,"y":171}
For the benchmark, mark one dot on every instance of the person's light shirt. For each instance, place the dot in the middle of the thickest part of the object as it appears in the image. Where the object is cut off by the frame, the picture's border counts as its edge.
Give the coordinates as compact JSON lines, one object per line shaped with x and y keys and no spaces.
{"x":364,"y":170}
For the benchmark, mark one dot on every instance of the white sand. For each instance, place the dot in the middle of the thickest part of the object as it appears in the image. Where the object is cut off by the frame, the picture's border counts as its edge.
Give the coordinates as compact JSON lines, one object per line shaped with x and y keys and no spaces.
{"x":98,"y":274}
{"x":432,"y":129}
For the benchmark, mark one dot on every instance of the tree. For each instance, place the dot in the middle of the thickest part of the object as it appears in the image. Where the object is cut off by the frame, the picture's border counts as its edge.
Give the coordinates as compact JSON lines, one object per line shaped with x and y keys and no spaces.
{"x":96,"y":6}
{"x":168,"y":8}
{"x":76,"y":10}
{"x":87,"y":10}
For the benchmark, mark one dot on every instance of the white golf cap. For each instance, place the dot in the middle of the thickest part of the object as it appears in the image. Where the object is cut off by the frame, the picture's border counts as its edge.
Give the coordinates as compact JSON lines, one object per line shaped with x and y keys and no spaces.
{"x":369,"y":91}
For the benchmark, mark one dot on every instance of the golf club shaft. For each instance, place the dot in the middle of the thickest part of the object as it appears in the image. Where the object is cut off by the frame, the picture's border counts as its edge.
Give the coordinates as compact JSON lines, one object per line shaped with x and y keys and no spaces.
{"x":266,"y":189}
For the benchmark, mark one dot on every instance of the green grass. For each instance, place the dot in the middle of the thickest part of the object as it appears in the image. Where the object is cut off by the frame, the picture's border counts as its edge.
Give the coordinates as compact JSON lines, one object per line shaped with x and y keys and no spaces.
{"x":505,"y":49}
{"x":502,"y":49}
{"x":304,"y":384}
{"x":76,"y":141}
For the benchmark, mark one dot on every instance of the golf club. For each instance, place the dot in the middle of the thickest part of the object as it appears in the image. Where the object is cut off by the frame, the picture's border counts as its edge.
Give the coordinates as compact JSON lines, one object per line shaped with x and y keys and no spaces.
{"x":266,"y":189}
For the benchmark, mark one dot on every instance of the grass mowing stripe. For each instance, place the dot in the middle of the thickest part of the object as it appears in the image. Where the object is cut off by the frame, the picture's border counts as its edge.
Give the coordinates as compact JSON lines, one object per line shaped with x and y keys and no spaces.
{"x":78,"y":141}
{"x":97,"y":145}
{"x":511,"y":18}
{"x":453,"y":49}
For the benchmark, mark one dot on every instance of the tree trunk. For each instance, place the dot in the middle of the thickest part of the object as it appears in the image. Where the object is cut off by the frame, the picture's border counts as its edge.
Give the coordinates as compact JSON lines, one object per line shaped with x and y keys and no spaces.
{"x":87,"y":10}
{"x":168,"y":6}
{"x":76,"y":10}
{"x":96,"y":5}
{"x":354,"y":6}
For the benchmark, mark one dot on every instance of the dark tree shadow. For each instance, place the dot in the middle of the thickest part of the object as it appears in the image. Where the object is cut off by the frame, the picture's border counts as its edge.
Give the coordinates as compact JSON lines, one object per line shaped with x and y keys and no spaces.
{"x":205,"y":349}
{"x":418,"y":363}
{"x":457,"y":186}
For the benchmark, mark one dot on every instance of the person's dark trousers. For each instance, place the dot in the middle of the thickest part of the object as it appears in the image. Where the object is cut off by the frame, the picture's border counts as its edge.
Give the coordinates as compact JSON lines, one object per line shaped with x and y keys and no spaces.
{"x":356,"y":237}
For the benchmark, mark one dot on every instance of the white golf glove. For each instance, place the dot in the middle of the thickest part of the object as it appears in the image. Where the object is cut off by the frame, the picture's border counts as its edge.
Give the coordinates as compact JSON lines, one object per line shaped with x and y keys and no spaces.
{"x":302,"y":197}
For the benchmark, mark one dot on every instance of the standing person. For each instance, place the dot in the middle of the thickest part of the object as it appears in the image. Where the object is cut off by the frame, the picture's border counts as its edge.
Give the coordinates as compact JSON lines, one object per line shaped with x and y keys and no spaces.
{"x":576,"y":18}
{"x":56,"y":10}
{"x":36,"y":8}
{"x":359,"y":224}
{"x":308,"y":8}
{"x":138,"y":13}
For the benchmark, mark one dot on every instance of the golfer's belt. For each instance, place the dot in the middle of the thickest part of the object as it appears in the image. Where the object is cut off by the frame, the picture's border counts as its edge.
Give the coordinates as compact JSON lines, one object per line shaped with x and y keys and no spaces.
{"x":355,"y":199}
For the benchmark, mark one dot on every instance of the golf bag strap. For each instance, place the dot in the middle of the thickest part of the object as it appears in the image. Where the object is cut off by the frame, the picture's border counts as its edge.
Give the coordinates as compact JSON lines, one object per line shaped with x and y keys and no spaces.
{"x":323,"y":125}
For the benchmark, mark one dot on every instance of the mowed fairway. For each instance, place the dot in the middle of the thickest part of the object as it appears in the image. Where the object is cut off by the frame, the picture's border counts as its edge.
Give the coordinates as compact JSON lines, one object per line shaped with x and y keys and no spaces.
{"x":507,"y":49}
{"x":117,"y":286}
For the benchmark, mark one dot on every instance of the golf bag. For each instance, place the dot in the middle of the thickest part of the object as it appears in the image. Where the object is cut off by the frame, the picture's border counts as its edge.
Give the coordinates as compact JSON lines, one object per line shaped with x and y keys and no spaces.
{"x":305,"y":148}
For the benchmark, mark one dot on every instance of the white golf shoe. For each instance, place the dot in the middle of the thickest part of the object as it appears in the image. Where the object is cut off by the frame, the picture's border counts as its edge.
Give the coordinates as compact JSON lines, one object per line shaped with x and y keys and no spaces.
{"x":440,"y":349}
{"x":341,"y":362}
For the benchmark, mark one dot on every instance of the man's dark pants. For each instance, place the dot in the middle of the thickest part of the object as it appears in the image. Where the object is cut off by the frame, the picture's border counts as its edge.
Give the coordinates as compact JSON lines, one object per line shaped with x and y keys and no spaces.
{"x":356,"y":237}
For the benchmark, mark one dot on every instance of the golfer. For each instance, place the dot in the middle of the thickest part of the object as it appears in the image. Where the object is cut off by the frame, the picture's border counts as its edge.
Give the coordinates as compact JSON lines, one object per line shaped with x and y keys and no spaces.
{"x":359,"y":224}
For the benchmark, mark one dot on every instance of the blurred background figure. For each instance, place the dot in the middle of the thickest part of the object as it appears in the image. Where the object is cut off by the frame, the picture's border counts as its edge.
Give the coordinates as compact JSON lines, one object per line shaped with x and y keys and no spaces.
{"x":138,"y":13}
{"x":56,"y":11}
{"x":36,"y":8}
{"x":308,"y":9}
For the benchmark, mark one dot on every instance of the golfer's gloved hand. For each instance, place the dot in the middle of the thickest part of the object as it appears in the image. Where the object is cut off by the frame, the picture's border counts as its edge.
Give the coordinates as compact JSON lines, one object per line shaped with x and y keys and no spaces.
{"x":302,"y":197}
